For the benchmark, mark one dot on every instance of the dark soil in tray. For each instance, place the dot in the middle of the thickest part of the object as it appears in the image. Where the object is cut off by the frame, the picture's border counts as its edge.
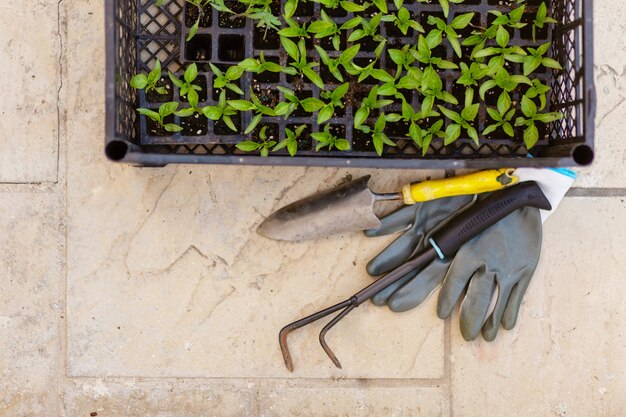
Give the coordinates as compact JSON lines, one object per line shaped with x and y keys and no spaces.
{"x":195,"y":125}
{"x":271,"y":132}
{"x":362,"y":142}
{"x":192,"y":13}
{"x":202,"y":94}
{"x":220,"y":128}
{"x":154,"y":97}
{"x":154,"y":129}
{"x":228,"y":20}
{"x":265,"y":39}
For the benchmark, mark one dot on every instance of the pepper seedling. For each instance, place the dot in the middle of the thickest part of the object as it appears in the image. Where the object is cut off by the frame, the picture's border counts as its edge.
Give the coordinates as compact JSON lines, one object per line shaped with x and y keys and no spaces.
{"x":463,"y":120}
{"x":291,"y":141}
{"x":309,"y":104}
{"x":538,"y":90}
{"x":263,"y":146}
{"x":505,"y":81}
{"x":445,"y":5}
{"x":326,"y":139}
{"x":512,"y":19}
{"x":370,"y":28}
{"x":327,"y":27}
{"x":335,"y":98}
{"x":541,"y":19}
{"x":261,"y":11}
{"x":165,"y":110}
{"x":535,"y":59}
{"x":225,"y":80}
{"x":149,"y":82}
{"x":256,"y":66}
{"x":300,"y":64}
{"x":503,"y":116}
{"x":471,"y":75}
{"x":432,"y":88}
{"x":258,"y":108}
{"x":293,"y":29}
{"x":531,"y":133}
{"x":186,"y":86}
{"x":370,"y":103}
{"x":222,"y":112}
{"x":379,"y":137}
{"x":434,"y":37}
{"x":402,"y":20}
{"x":200,"y":4}
{"x":501,"y":52}
{"x":344,"y":60}
{"x":424,"y":54}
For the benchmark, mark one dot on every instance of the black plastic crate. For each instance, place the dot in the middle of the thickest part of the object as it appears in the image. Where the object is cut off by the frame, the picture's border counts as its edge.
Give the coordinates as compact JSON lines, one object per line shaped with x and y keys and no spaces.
{"x":138,"y":33}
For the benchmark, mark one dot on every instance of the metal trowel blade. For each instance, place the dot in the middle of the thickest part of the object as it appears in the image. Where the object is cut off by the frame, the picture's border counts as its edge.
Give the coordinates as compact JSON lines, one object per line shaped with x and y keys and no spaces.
{"x":346,"y":208}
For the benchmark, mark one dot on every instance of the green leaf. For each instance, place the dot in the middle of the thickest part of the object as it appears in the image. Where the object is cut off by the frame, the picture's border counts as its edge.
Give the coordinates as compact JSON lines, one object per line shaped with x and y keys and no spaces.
{"x":193,"y":30}
{"x":191,"y":73}
{"x":313,"y":76}
{"x":291,"y":48}
{"x":381,"y":4}
{"x":139,"y":81}
{"x":187,"y":112}
{"x":490,"y":129}
{"x":356,"y":35}
{"x":455,"y":45}
{"x":212,"y":112}
{"x":168,"y":108}
{"x":528,"y":107}
{"x":502,"y":37}
{"x":178,"y":83}
{"x":171,"y":127}
{"x":548,"y":117}
{"x":150,"y":113}
{"x":445,"y":6}
{"x":325,"y":113}
{"x":248,"y":146}
{"x":312,"y":104}
{"x":508,"y":129}
{"x":531,"y":63}
{"x":342,"y":144}
{"x":452,"y":133}
{"x":551,"y":63}
{"x":253,"y":123}
{"x":470,"y":112}
{"x":452,"y":115}
{"x":531,"y":136}
{"x":290,"y":7}
{"x":486,"y":86}
{"x":241,"y":105}
{"x":471,"y":132}
{"x":461,"y":21}
{"x":504,"y":102}
{"x":360,"y":116}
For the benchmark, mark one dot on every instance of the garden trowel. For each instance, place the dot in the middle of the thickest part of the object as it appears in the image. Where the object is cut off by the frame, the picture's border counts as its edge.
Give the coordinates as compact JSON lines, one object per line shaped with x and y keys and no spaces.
{"x":350,"y":206}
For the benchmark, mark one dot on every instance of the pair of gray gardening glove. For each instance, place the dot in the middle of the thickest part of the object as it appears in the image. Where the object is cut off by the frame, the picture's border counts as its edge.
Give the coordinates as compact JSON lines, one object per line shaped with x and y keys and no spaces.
{"x":494,"y":267}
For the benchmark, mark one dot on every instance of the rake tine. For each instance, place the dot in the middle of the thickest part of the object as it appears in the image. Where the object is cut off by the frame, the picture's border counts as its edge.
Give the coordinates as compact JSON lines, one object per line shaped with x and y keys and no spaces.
{"x":325,"y":330}
{"x":284,"y":332}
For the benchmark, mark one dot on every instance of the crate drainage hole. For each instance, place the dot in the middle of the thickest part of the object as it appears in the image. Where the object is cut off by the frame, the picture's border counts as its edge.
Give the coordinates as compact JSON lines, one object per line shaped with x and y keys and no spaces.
{"x":231,"y":48}
{"x":199,"y":48}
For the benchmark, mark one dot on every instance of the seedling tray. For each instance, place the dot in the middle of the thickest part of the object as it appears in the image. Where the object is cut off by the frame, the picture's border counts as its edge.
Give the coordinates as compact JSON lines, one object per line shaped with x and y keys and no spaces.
{"x":139,"y":33}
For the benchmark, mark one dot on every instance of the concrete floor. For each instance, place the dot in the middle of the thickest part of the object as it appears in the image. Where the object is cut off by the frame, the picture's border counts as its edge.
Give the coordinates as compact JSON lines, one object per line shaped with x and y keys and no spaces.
{"x":145,"y":292}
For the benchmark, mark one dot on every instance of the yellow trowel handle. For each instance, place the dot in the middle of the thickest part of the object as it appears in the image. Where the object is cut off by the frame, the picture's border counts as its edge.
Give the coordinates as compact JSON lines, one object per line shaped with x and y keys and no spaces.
{"x":476,"y":183}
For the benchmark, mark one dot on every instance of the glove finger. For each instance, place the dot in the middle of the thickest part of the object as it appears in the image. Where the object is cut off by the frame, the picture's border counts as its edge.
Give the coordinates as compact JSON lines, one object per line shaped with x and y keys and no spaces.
{"x":414,"y":292}
{"x":398,"y":220}
{"x":380,"y":299}
{"x":475,"y":305}
{"x":511,"y":311}
{"x":395,"y":254}
{"x":455,"y":282}
{"x":492,"y":325}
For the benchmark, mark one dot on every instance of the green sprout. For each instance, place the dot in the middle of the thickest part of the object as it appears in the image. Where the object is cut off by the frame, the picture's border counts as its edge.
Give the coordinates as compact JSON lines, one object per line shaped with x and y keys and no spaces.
{"x":300,"y":64}
{"x":294,"y":30}
{"x":257,"y":66}
{"x":471,"y":75}
{"x":200,"y":4}
{"x":222,"y":112}
{"x":371,"y":102}
{"x":541,"y":19}
{"x":335,"y":98}
{"x":149,"y":82}
{"x":505,"y":81}
{"x":424,"y":54}
{"x":309,"y":104}
{"x":370,"y":28}
{"x":502,"y":116}
{"x":263,"y":146}
{"x":326,"y":139}
{"x":258,"y":108}
{"x":435,"y":36}
{"x":538,"y":90}
{"x":291,"y":141}
{"x":463,"y":120}
{"x":531,"y":133}
{"x":513,"y":19}
{"x":402,"y":20}
{"x":225,"y":80}
{"x":379,"y":137}
{"x":327,"y":27}
{"x":165,"y":110}
{"x":186,"y":86}
{"x":344,"y":60}
{"x":535,"y":59}
{"x":445,"y":5}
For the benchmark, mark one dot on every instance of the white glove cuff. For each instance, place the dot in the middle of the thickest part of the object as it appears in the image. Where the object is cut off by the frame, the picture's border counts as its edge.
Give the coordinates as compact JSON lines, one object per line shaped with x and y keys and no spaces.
{"x":554,"y":183}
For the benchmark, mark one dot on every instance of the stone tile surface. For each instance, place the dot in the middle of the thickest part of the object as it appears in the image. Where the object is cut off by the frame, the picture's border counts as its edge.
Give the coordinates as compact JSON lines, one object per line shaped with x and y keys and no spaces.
{"x":30,"y":303}
{"x":279,"y":401}
{"x":162,"y":398}
{"x":566,"y":355}
{"x":28,"y":114}
{"x":610,"y":82}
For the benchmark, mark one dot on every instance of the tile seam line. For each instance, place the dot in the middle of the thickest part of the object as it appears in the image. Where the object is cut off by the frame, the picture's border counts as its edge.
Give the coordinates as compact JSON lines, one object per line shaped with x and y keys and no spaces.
{"x":61,"y":29}
{"x":596,"y":192}
{"x":384,"y":382}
